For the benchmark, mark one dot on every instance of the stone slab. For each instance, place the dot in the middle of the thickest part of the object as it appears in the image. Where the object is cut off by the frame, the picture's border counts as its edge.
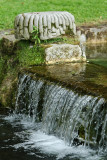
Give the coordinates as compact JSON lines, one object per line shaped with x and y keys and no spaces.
{"x":59,"y":53}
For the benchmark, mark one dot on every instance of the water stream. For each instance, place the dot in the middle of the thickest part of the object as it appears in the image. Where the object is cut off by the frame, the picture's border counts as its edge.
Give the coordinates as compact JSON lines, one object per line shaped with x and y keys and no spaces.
{"x":52,"y":121}
{"x":56,"y":121}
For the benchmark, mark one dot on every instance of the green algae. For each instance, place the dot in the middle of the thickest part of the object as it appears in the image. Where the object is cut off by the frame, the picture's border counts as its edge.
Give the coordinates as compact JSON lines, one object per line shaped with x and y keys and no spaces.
{"x":101,"y":62}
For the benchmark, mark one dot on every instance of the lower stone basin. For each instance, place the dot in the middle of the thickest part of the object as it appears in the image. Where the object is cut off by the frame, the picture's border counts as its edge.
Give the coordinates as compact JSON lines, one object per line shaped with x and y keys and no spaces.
{"x":82,"y":77}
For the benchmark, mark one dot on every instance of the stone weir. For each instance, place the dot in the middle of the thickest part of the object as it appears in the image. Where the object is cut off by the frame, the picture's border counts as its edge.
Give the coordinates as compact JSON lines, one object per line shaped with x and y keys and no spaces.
{"x":84,"y":78}
{"x":68,"y":100}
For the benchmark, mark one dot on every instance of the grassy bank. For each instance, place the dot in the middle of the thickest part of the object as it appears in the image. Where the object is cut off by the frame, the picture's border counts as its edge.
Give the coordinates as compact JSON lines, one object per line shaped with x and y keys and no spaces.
{"x":83,"y":10}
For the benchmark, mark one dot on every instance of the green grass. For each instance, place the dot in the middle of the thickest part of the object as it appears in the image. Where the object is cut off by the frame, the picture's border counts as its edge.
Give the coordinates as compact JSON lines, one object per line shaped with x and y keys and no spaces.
{"x":83,"y":10}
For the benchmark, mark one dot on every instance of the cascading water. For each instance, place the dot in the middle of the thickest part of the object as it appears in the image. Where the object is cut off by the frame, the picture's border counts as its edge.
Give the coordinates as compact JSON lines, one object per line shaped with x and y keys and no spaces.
{"x":76,"y":119}
{"x":65,"y":119}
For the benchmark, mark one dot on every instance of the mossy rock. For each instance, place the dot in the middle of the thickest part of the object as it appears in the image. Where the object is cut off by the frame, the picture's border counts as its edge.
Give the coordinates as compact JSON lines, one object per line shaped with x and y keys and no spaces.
{"x":8,"y":92}
{"x":8,"y":44}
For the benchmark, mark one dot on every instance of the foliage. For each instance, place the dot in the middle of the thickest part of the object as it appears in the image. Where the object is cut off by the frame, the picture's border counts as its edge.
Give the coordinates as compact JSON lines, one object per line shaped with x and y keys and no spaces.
{"x":83,"y":10}
{"x":35,"y":35}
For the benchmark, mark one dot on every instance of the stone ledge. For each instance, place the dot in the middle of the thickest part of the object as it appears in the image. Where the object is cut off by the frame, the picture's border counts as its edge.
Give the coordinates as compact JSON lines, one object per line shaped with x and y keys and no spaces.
{"x":85,"y":78}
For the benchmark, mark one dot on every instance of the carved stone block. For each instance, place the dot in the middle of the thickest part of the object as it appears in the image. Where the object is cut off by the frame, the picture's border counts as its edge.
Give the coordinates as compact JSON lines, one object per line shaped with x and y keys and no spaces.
{"x":49,"y":24}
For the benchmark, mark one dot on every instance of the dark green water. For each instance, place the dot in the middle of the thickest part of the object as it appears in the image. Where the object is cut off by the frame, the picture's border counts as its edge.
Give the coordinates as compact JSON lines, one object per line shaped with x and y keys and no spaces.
{"x":97,"y":54}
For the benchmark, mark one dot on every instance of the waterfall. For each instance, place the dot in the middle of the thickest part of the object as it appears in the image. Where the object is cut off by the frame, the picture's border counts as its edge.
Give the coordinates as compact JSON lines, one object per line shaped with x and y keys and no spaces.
{"x":74,"y":118}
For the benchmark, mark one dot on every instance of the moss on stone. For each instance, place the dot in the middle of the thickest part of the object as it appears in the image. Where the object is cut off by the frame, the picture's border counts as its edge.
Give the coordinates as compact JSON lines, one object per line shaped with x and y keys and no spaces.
{"x":8,"y":91}
{"x":25,"y":54}
{"x":2,"y":70}
{"x":29,"y":54}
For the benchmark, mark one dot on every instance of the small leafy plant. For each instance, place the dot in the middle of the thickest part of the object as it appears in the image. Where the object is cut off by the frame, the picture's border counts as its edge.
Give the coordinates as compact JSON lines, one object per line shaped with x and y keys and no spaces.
{"x":36,"y":35}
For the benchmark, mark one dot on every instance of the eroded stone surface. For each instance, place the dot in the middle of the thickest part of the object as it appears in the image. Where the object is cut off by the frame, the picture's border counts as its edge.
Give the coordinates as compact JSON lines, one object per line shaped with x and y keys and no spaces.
{"x":93,"y":34}
{"x":97,"y":51}
{"x":8,"y":44}
{"x":64,"y":53}
{"x":6,"y":32}
{"x":49,"y":24}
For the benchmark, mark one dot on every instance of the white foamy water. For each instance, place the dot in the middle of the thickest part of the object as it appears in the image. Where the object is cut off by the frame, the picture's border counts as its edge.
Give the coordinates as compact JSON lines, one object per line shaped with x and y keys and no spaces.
{"x":48,"y":144}
{"x":52,"y":145}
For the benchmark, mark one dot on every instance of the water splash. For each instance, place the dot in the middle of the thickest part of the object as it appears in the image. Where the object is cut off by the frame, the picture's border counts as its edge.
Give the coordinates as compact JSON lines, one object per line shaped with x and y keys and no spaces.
{"x":48,"y":144}
{"x":74,"y":118}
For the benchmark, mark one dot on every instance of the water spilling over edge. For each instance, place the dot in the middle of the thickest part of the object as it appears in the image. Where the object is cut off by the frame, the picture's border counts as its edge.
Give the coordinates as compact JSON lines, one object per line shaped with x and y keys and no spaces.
{"x":75,"y":119}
